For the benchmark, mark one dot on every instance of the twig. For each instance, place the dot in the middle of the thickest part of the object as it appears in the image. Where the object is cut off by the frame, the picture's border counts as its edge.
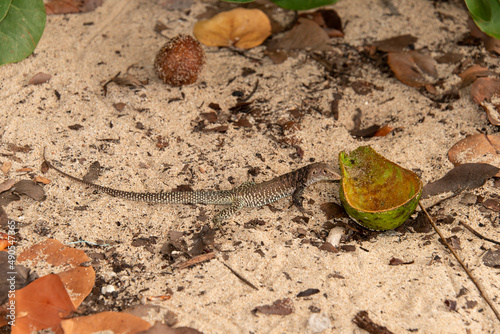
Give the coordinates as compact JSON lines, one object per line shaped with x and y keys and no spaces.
{"x":247,"y":282}
{"x":195,"y":260}
{"x":480,"y":236}
{"x":473,"y":279}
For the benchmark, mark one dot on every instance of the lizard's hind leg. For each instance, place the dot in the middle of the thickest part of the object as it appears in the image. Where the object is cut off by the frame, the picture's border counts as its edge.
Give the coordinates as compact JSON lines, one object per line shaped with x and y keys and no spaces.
{"x":235,"y":206}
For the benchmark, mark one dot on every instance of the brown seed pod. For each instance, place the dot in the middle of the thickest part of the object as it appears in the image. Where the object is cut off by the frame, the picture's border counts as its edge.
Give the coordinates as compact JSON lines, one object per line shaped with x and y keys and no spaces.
{"x":180,"y":61}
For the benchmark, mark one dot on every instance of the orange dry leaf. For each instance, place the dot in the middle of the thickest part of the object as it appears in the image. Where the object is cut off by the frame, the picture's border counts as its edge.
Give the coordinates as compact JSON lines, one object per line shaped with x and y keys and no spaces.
{"x":105,"y":321}
{"x":476,"y":148}
{"x":243,"y":28}
{"x":383,"y":131}
{"x":41,"y":305}
{"x":412,"y":68}
{"x":77,"y":279}
{"x":71,"y":6}
{"x":41,"y":179}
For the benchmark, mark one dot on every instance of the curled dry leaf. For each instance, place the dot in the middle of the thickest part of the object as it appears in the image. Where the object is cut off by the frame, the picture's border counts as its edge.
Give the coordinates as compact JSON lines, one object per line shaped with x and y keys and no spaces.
{"x":412,"y":68}
{"x":486,"y":93}
{"x":241,"y":27}
{"x":78,"y":280}
{"x":472,"y":73}
{"x":116,"y":322}
{"x":476,"y":148}
{"x":41,"y":305}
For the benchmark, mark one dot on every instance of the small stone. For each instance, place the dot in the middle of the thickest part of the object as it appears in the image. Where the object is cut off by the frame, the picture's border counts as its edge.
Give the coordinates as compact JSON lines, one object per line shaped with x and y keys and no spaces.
{"x":318,"y":322}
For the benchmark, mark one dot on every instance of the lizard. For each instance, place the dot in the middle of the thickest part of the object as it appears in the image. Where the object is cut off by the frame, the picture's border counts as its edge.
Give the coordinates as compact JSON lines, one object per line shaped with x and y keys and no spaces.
{"x":248,"y":194}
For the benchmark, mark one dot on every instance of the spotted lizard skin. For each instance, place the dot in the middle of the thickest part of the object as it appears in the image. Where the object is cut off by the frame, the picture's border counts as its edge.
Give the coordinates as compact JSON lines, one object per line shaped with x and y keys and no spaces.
{"x":248,"y":194}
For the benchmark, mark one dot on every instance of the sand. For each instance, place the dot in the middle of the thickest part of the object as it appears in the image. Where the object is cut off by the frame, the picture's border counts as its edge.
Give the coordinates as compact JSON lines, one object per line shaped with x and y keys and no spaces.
{"x":280,"y":256}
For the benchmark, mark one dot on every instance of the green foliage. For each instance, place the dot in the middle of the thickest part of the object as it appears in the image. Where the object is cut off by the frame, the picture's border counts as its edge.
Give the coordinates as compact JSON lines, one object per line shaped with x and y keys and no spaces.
{"x":294,"y":4}
{"x":486,"y":14}
{"x":21,"y":27}
{"x":302,"y":4}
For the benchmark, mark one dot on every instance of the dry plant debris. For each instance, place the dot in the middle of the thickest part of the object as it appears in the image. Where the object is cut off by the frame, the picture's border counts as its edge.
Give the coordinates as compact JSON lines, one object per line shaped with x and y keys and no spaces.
{"x":77,"y":279}
{"x":42,"y":304}
{"x":241,"y":27}
{"x":476,"y":148}
{"x":466,"y":176}
{"x":412,"y":68}
{"x":71,"y":6}
{"x":116,"y":322}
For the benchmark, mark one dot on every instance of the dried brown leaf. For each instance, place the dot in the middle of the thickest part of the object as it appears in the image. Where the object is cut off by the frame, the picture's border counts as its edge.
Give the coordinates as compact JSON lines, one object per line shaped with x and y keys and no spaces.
{"x":492,"y":204}
{"x":308,"y":292}
{"x":466,"y":176}
{"x":241,"y":27}
{"x":279,"y":307}
{"x":397,"y":262}
{"x":395,"y":44}
{"x":472,"y":73}
{"x":412,"y":68}
{"x":6,"y":185}
{"x":29,"y":188}
{"x":492,"y":44}
{"x":6,"y":167}
{"x":486,"y":93}
{"x":71,"y":6}
{"x":159,"y":328}
{"x":484,"y":89}
{"x":39,"y":78}
{"x":306,"y":34}
{"x":333,"y":210}
{"x":362,"y":320}
{"x":492,"y":258}
{"x":328,"y":19}
{"x":476,"y":148}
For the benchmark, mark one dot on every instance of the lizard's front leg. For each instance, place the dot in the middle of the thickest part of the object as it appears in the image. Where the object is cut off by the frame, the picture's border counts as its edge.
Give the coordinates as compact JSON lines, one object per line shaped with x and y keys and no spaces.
{"x":297,"y":198}
{"x":235,"y":206}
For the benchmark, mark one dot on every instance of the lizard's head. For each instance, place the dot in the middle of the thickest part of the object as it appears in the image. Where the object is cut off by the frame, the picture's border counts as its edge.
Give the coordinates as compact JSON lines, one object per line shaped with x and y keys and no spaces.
{"x":321,"y":171}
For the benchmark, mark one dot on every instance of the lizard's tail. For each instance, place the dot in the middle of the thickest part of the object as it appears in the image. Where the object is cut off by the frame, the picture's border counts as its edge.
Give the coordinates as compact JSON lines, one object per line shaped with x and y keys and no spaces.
{"x":178,"y":197}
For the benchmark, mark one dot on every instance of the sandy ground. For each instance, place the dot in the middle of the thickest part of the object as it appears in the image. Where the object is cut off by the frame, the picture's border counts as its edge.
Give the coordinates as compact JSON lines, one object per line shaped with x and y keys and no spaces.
{"x":280,"y":256}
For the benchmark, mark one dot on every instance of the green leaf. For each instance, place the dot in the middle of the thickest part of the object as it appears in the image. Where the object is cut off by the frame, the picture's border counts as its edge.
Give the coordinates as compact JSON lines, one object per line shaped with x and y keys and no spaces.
{"x":486,"y":14}
{"x":4,"y":8}
{"x":21,"y":29}
{"x":302,"y":4}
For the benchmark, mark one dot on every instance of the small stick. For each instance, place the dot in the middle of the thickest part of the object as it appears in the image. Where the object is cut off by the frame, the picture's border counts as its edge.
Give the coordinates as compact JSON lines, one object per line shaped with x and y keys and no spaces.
{"x":247,"y":282}
{"x":480,"y":236}
{"x":473,"y":279}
